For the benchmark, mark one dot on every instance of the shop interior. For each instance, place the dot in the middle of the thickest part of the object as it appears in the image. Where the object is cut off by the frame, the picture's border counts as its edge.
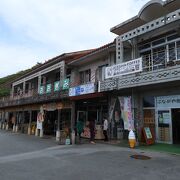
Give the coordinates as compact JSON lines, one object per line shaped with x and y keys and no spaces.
{"x":176,"y":125}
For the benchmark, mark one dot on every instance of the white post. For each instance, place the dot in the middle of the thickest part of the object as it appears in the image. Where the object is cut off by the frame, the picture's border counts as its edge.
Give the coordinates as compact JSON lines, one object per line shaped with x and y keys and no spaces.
{"x":16,"y":128}
{"x":37,"y":132}
{"x":58,"y":135}
{"x":73,"y":137}
{"x":41,"y":133}
{"x":39,"y":83}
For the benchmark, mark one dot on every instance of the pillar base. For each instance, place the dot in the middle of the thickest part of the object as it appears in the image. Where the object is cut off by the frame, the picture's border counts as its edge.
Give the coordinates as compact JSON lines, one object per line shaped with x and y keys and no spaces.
{"x":41,"y":133}
{"x":73,"y":137}
{"x":7,"y":127}
{"x":3,"y":126}
{"x":57,"y":135}
{"x":16,"y":128}
{"x":37,"y":132}
{"x":29,"y":130}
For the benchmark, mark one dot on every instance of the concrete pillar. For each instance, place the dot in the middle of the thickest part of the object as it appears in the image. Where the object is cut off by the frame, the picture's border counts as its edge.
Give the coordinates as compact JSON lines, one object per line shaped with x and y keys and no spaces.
{"x":119,"y":51}
{"x":3,"y":126}
{"x":39,"y":83}
{"x":58,"y":126}
{"x":73,"y":123}
{"x":30,"y":120}
{"x":24,"y":87}
{"x":16,"y":128}
{"x":41,"y":133}
{"x":12,"y":92}
{"x":36,"y":132}
{"x":7,"y":127}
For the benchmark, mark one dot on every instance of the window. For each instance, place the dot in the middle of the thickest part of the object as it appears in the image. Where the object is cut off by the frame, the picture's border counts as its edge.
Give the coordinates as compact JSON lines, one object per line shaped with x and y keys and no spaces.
{"x":172,"y":53}
{"x":85,"y":76}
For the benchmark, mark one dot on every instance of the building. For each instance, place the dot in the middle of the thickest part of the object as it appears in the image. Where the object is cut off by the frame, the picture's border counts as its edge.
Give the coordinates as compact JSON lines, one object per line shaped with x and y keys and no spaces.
{"x":49,"y":99}
{"x":42,"y":93}
{"x":146,"y":77}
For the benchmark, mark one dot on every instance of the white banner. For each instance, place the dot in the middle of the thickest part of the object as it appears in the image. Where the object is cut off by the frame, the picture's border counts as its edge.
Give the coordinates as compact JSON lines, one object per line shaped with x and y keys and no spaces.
{"x":129,"y":67}
{"x":126,"y":112}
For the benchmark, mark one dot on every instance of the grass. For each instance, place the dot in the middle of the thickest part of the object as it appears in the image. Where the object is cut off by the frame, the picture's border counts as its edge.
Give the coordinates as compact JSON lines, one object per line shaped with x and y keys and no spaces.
{"x":160,"y":147}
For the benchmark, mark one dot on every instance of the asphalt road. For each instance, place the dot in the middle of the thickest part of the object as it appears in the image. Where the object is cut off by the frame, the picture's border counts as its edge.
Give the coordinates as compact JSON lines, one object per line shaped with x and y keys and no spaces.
{"x":24,"y":157}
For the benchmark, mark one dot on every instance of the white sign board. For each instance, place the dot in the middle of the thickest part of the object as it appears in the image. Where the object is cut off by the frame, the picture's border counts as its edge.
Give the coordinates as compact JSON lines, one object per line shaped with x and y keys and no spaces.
{"x":82,"y":89}
{"x":168,"y":101}
{"x":129,"y":67}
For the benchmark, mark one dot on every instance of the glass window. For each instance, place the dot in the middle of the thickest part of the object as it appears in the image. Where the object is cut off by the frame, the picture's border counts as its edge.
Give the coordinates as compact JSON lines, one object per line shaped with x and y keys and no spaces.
{"x":159,"y":41}
{"x":148,"y":101}
{"x":172,"y":53}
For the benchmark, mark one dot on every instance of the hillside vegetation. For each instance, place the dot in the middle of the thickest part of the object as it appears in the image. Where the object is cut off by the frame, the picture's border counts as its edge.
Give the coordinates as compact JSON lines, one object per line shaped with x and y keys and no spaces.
{"x":5,"y":82}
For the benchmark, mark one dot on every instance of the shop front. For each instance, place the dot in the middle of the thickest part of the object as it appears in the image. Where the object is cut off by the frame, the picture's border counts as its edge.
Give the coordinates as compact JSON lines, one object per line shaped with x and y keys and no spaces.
{"x":92,"y":109}
{"x":120,"y":117}
{"x":167,"y":119}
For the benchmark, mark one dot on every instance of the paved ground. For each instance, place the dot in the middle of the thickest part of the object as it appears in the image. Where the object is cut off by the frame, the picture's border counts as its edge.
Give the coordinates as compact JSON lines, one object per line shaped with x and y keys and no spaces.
{"x":25,"y":157}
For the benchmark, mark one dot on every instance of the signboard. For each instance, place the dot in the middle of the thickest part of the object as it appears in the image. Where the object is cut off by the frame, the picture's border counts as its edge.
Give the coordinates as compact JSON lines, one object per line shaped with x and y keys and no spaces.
{"x":56,"y":86}
{"x":48,"y":88}
{"x":129,"y":67}
{"x":147,"y":136}
{"x":41,"y":90}
{"x":168,"y":101}
{"x":82,"y":89}
{"x":126,"y":112}
{"x":65,"y":84}
{"x":164,"y":118}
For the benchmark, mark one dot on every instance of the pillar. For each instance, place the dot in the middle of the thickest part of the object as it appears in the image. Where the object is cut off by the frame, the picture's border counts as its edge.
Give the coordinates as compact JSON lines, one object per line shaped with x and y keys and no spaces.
{"x":17,"y":122}
{"x":58,"y":126}
{"x":39,"y":83}
{"x":119,"y":50}
{"x":30,"y":120}
{"x":24,"y":87}
{"x":73,"y":123}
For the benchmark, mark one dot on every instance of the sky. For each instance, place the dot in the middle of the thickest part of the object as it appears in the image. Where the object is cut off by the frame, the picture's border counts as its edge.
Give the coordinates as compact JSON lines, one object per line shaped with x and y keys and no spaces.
{"x":34,"y":31}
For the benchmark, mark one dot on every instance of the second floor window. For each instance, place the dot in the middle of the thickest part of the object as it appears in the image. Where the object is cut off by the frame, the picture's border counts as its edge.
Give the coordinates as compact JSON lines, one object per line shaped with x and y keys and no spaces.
{"x":85,"y":76}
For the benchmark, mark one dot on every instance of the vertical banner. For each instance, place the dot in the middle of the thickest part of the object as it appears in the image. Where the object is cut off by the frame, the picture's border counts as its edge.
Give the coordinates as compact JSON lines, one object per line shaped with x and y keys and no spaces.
{"x":126,"y":112}
{"x":65,"y":84}
{"x":48,"y":88}
{"x":56,"y":86}
{"x":41,"y":90}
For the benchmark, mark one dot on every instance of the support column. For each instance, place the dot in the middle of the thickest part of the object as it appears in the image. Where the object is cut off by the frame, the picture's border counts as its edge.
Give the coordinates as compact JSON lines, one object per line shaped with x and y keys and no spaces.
{"x":30,"y":120}
{"x":58,"y":126}
{"x":12,"y":91}
{"x":24,"y":87}
{"x":73,"y":123}
{"x":119,"y":51}
{"x":17,"y":122}
{"x":39,"y":83}
{"x":7,"y":121}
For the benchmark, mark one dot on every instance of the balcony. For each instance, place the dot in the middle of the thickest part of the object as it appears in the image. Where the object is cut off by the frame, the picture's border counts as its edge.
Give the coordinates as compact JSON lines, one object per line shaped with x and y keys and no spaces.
{"x":158,"y":67}
{"x":58,"y":90}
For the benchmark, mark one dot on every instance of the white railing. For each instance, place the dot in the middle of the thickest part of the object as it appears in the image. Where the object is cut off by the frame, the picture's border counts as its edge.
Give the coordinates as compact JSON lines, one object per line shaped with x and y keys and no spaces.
{"x":161,"y":59}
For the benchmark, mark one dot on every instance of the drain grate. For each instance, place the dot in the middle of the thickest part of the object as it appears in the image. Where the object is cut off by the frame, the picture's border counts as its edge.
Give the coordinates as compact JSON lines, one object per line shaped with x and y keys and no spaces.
{"x":141,"y":157}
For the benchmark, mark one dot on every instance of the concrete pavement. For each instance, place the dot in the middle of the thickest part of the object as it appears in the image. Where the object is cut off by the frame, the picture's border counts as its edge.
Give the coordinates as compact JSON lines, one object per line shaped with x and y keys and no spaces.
{"x":25,"y":157}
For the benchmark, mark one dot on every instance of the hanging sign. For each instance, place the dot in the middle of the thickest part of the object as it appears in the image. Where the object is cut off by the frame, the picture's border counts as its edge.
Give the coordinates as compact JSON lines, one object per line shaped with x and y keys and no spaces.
{"x":56,"y":86}
{"x":129,"y":67}
{"x":41,"y":90}
{"x":48,"y":88}
{"x":65,"y":84}
{"x":126,"y":112}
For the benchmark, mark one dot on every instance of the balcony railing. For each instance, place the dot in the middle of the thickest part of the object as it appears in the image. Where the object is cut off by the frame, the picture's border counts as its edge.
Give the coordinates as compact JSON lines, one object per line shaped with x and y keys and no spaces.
{"x":161,"y":59}
{"x":57,"y":90}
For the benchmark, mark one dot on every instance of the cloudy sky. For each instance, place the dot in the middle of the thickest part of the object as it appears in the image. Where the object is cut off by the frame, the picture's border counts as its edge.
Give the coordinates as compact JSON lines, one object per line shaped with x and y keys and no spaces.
{"x":33,"y":31}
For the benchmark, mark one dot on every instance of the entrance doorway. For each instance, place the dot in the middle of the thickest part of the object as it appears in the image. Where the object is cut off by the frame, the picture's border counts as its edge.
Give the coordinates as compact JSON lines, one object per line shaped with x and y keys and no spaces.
{"x":176,"y":125}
